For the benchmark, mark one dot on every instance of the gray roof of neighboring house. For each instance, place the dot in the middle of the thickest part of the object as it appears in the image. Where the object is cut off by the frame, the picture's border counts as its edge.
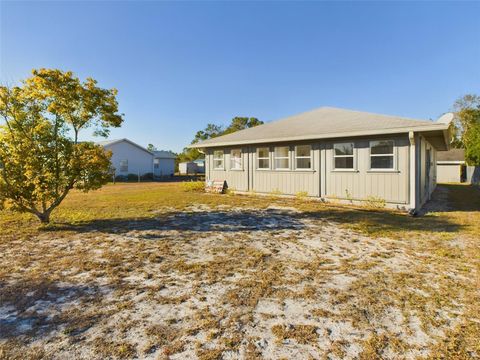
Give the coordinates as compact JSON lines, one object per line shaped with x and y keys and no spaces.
{"x":163,"y":154}
{"x":115,"y":141}
{"x":451,"y":155}
{"x":325,"y":122}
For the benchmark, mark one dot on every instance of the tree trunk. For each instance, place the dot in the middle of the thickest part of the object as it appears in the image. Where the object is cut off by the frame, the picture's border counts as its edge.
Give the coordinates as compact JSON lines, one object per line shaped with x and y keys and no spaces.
{"x":44,"y":217}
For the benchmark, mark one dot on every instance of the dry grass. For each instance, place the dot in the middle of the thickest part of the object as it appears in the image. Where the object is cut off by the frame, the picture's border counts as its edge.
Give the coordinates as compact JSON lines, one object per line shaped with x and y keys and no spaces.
{"x":152,"y":271}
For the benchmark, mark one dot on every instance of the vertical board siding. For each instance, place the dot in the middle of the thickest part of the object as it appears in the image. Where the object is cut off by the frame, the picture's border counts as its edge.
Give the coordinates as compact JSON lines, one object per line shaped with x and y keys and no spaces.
{"x":322,"y":180}
{"x":391,"y":186}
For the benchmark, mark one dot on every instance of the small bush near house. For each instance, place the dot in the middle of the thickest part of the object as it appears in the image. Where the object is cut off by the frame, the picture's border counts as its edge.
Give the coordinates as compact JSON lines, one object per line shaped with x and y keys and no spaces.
{"x":301,"y":195}
{"x":132,"y":177}
{"x":121,"y":178}
{"x":147,"y":177}
{"x":375,"y":202}
{"x":193,"y":186}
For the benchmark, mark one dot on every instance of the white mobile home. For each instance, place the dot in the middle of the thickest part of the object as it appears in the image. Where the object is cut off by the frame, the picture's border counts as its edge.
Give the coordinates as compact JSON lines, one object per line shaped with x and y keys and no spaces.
{"x":333,"y":154}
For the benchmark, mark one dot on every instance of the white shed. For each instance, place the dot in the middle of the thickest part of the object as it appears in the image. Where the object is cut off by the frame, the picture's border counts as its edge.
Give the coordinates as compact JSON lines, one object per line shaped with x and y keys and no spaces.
{"x":163,"y":163}
{"x":451,"y":166}
{"x":187,"y":167}
{"x":128,"y":157}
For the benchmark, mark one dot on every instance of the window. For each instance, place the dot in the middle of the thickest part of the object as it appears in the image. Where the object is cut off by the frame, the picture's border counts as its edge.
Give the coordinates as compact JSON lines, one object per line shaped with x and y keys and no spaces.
{"x":343,"y":156}
{"x":156,"y":163}
{"x":381,"y":154}
{"x":303,"y":157}
{"x":236,"y":159}
{"x":282,"y":160}
{"x":218,"y":160}
{"x":263,"y":157}
{"x":123,"y":165}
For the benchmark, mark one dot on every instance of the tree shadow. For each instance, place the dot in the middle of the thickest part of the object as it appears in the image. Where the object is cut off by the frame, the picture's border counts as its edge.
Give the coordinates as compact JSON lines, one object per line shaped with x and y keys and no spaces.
{"x":269,"y":220}
{"x":34,"y":308}
{"x":453,"y":197}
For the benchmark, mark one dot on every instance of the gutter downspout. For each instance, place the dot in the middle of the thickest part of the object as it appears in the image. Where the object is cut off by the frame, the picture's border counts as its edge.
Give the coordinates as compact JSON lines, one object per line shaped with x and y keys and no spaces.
{"x":412,"y":174}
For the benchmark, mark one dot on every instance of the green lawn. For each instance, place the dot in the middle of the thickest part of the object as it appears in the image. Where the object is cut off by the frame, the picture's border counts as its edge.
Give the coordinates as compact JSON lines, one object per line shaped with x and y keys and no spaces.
{"x":152,"y":271}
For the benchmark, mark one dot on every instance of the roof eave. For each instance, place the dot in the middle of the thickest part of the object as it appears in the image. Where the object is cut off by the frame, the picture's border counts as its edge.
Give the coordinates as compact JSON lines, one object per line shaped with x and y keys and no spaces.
{"x":423,"y":128}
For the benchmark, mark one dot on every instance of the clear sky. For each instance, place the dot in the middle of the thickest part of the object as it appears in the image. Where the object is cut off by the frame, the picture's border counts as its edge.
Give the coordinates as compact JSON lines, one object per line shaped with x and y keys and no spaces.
{"x":181,"y":65}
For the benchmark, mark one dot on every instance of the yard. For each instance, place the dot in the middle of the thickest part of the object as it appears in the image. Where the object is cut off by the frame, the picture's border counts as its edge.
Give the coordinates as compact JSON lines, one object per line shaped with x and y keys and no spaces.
{"x":151,"y":271}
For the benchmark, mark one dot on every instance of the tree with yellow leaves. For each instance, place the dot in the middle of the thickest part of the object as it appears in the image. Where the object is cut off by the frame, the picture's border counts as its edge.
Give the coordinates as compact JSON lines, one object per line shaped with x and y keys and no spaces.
{"x":41,"y":157}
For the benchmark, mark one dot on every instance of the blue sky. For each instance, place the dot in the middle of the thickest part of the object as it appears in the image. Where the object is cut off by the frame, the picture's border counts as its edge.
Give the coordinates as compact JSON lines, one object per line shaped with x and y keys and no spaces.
{"x":181,"y":65}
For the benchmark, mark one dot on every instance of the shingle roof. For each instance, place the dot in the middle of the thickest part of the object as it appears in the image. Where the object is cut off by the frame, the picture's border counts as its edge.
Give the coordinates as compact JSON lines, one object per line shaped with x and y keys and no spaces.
{"x":163,"y":154}
{"x":325,"y":122}
{"x":451,"y":155}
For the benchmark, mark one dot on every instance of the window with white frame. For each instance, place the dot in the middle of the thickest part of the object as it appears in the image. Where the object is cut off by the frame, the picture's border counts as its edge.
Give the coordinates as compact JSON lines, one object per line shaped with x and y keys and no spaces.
{"x":218,"y":160}
{"x":263,"y":158}
{"x":382,"y":155}
{"x":343,"y":157}
{"x":156,"y":163}
{"x":282,"y":159}
{"x":123,"y":165}
{"x":303,"y":157}
{"x":236,"y":159}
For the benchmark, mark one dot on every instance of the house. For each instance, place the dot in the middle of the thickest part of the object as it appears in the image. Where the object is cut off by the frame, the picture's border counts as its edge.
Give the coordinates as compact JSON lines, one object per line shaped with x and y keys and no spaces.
{"x":128,"y":157}
{"x":163,"y":163}
{"x":333,"y":154}
{"x":451,"y":166}
{"x":192,"y":167}
{"x":131,"y":158}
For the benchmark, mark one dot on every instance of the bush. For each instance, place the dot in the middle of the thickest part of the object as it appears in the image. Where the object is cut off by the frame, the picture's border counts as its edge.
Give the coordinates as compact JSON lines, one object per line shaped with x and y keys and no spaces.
{"x":375,"y":202}
{"x":132,"y":177}
{"x":301,"y":195}
{"x":121,"y":178}
{"x":147,"y":177}
{"x":193,"y":186}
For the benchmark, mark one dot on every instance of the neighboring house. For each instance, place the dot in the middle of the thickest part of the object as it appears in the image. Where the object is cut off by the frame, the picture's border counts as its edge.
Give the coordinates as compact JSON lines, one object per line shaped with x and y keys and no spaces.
{"x":128,"y":157}
{"x":200,"y":163}
{"x":333,"y":154}
{"x":192,"y":167}
{"x":163,"y":163}
{"x":451,"y":166}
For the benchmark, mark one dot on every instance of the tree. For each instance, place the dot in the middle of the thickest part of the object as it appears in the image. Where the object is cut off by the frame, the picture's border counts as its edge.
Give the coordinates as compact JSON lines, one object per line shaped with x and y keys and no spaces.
{"x":212,"y":131}
{"x":151,"y":147}
{"x":40,"y":154}
{"x":467,"y":127}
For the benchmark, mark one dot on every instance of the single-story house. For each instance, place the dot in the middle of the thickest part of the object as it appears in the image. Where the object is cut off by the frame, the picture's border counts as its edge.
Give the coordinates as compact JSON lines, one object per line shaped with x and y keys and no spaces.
{"x":333,"y":154}
{"x":192,"y":167}
{"x":131,"y":158}
{"x":451,"y":166}
{"x":163,"y":163}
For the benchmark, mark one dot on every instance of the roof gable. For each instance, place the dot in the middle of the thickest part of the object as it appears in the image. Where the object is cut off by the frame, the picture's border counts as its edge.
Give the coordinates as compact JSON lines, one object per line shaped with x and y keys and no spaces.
{"x":107,"y":143}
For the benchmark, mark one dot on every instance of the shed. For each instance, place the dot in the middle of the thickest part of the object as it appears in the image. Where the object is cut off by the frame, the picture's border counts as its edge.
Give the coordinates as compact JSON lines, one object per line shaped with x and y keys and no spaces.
{"x":451,"y":166}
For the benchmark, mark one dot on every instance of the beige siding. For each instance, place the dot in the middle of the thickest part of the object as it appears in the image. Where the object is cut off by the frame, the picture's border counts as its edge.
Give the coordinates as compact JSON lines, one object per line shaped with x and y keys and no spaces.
{"x":391,"y":186}
{"x":322,"y":180}
{"x":236,"y":179}
{"x":448,"y":173}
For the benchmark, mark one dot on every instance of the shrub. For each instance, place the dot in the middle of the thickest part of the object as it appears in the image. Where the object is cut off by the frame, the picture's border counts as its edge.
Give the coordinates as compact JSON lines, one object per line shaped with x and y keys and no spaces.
{"x":132,"y":177}
{"x":193,"y":186}
{"x":375,"y":202}
{"x":121,"y":178}
{"x":301,"y":195}
{"x":147,"y":177}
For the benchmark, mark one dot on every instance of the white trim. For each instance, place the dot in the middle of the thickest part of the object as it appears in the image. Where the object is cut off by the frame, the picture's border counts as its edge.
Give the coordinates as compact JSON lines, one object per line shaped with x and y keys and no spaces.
{"x":394,"y":167}
{"x":303,"y":157}
{"x":241,"y":159}
{"x":275,"y":158}
{"x":219,"y":159}
{"x":353,"y":156}
{"x":263,"y":158}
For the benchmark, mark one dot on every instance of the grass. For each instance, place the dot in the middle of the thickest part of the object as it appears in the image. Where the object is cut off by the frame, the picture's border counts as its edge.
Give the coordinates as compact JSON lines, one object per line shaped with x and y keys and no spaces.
{"x":153,"y":270}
